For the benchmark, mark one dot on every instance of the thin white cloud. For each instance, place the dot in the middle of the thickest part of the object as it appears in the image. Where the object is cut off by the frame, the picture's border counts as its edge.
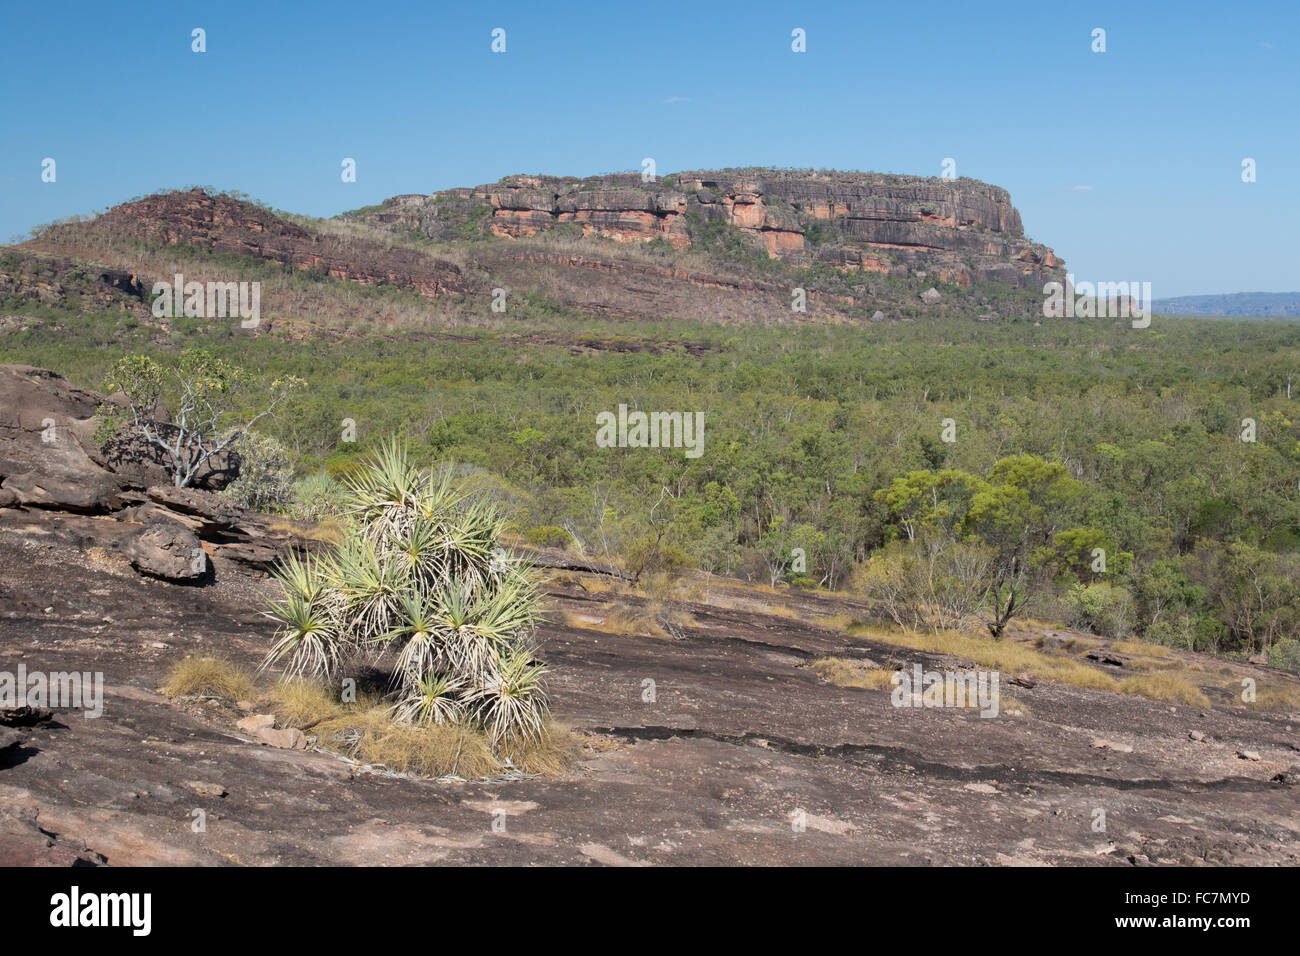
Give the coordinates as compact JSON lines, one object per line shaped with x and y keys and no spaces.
{"x":677,"y":99}
{"x":1080,"y":189}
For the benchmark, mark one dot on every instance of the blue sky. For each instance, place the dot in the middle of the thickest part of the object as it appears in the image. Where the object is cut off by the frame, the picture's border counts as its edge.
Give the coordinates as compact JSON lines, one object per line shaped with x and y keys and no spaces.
{"x":1127,"y":162}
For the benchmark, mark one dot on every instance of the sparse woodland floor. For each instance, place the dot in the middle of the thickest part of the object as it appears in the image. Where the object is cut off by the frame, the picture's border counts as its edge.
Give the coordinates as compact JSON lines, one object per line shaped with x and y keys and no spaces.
{"x":712,"y":724}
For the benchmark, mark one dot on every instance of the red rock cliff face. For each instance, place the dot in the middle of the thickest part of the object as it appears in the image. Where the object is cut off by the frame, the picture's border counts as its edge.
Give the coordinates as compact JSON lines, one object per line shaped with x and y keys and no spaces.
{"x":219,"y":223}
{"x":958,"y":231}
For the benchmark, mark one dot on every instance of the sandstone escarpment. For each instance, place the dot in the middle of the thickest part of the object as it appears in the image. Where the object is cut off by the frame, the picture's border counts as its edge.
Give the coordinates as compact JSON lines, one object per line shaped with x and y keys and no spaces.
{"x":725,"y":246}
{"x":55,"y":280}
{"x":958,"y":231}
{"x":217,"y":223}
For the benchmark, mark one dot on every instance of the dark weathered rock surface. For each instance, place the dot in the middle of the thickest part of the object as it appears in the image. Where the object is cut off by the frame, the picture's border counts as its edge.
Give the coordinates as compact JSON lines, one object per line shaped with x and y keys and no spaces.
{"x":166,"y":550}
{"x":50,"y":461}
{"x":741,"y":754}
{"x":47,"y":448}
{"x":141,"y":463}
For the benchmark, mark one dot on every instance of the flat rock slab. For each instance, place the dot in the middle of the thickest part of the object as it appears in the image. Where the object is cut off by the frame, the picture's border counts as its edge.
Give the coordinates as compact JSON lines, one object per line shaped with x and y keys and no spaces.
{"x":741,"y":756}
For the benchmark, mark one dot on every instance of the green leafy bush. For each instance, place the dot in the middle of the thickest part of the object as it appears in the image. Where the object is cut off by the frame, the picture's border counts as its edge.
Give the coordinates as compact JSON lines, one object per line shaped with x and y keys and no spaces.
{"x":1101,"y":608}
{"x":265,"y":481}
{"x":318,"y":497}
{"x":1285,"y":654}
{"x":548,"y":536}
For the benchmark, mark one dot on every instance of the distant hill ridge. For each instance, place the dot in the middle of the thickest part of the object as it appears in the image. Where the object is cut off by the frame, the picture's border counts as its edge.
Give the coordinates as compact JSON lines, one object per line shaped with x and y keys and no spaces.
{"x":1234,"y":303}
{"x":729,"y":246}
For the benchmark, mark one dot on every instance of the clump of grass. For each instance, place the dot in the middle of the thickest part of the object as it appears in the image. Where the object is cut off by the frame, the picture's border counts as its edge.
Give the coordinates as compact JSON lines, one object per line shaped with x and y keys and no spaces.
{"x":427,"y":750}
{"x":1009,"y":705}
{"x":303,"y":704}
{"x":598,"y":583}
{"x":582,"y":621}
{"x":438,"y":750}
{"x":207,"y":677}
{"x":652,"y":620}
{"x":1141,"y":648}
{"x":838,"y":622}
{"x":1149,"y":664}
{"x":1167,"y":687}
{"x":696,"y":592}
{"x":1276,"y":697}
{"x":548,"y":754}
{"x":633,"y":620}
{"x":660,"y":586}
{"x":328,"y":532}
{"x":845,"y":673}
{"x":1005,"y":656}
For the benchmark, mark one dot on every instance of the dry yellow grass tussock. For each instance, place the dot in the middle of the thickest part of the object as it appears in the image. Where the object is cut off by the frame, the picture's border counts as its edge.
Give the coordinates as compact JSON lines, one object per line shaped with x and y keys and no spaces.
{"x":1141,"y":648}
{"x":207,"y":677}
{"x":436,"y":750}
{"x":845,"y":673}
{"x":1165,"y":686}
{"x":1006,"y":656}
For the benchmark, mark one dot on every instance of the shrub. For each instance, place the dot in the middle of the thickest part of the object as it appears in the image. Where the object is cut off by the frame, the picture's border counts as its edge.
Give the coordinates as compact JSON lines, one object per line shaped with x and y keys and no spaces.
{"x":1182,"y":629}
{"x":1285,"y":654}
{"x":318,"y":497}
{"x":208,"y":417}
{"x":1100,"y":608}
{"x":265,"y":480}
{"x":935,"y":582}
{"x":548,"y":536}
{"x":650,"y":554}
{"x":419,"y":573}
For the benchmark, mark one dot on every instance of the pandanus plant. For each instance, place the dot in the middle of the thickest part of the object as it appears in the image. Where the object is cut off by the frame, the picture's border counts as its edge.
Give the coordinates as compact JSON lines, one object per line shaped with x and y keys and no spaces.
{"x":420,"y":574}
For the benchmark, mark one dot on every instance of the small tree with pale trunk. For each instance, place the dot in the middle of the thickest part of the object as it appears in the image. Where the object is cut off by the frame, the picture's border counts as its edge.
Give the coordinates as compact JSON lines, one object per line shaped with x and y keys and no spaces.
{"x":210,"y":415}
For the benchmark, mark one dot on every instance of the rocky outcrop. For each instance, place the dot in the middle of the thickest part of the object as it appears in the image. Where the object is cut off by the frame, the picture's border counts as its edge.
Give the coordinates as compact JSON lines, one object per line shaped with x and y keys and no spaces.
{"x":143,"y":464}
{"x":56,"y":280}
{"x":48,"y":454}
{"x":52,"y":465}
{"x":222,"y":224}
{"x":167,"y":550}
{"x":959,"y":231}
{"x":715,"y":237}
